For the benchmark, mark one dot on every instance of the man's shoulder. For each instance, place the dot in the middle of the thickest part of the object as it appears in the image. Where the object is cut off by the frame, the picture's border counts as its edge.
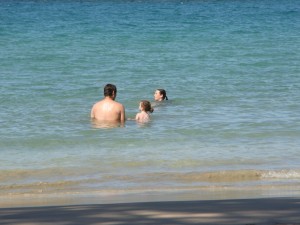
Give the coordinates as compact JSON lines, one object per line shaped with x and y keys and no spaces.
{"x":119,"y":104}
{"x":98,"y":103}
{"x":105,"y":102}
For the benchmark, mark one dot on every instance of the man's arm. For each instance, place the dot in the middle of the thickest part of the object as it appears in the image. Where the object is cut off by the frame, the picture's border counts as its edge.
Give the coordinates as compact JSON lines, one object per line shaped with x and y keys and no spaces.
{"x":122,"y":117}
{"x":92,"y":112}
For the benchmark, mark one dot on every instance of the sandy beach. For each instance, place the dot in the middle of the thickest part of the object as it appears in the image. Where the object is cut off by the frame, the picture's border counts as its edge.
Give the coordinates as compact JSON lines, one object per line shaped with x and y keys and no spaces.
{"x":266,"y":211}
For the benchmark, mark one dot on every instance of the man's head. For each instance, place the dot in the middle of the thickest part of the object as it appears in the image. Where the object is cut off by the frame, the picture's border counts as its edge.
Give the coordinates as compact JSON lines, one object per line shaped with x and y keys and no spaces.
{"x":110,"y":90}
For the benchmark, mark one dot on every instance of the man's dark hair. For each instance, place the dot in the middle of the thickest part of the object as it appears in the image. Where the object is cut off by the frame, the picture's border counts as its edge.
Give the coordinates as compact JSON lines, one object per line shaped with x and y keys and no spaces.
{"x":109,"y":89}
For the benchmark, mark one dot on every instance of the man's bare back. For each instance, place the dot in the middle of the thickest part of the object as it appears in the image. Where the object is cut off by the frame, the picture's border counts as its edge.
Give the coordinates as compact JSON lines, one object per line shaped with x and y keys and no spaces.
{"x":108,"y":110}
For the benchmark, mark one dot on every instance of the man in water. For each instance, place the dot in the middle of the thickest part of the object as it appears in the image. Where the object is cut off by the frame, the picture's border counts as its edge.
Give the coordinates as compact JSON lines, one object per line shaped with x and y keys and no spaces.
{"x":108,"y":110}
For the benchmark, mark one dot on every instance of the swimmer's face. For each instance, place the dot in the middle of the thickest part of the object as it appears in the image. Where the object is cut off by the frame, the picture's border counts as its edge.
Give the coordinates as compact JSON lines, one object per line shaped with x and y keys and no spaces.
{"x":158,"y":96}
{"x":140,"y":106}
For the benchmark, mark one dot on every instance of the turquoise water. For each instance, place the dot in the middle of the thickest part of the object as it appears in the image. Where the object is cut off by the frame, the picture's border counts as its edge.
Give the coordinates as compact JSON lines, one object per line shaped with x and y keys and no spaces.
{"x":231,"y":71}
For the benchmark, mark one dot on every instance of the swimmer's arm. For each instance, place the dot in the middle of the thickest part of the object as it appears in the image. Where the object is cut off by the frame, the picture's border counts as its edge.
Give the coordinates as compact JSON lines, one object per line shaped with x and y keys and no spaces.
{"x":137,"y":117}
{"x":92,"y":113}
{"x":123,"y":117}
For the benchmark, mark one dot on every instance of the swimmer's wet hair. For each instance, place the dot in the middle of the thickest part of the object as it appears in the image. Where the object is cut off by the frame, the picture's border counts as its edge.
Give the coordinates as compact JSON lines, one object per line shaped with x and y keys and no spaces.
{"x":163,"y":93}
{"x":147,"y":106}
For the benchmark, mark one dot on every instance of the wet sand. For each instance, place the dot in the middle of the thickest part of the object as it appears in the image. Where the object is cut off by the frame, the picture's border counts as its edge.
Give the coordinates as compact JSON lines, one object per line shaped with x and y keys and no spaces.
{"x":265,"y":211}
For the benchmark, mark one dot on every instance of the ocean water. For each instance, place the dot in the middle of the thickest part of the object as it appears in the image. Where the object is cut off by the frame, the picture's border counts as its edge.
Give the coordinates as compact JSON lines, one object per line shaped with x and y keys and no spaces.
{"x":231,"y":71}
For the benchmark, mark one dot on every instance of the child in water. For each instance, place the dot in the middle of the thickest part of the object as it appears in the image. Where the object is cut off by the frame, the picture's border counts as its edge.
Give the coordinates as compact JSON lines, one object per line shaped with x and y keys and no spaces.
{"x":145,"y":108}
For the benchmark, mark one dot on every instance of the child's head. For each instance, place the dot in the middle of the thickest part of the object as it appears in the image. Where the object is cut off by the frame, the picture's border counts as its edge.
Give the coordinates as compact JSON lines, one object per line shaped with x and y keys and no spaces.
{"x":146,"y":106}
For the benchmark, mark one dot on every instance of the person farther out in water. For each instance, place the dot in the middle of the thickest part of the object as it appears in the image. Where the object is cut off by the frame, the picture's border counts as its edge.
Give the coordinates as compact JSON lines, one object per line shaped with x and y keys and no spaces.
{"x":145,"y":109}
{"x":160,"y":95}
{"x":108,"y":110}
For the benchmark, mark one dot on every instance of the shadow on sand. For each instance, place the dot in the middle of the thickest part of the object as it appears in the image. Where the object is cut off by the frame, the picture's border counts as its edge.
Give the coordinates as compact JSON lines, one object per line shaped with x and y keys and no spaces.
{"x":277,"y":211}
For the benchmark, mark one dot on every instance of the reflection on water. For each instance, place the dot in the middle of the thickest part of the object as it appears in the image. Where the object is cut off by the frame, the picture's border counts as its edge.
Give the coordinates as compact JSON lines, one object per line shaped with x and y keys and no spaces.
{"x":106,"y":124}
{"x":143,"y":124}
{"x":158,"y":104}
{"x":113,"y":124}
